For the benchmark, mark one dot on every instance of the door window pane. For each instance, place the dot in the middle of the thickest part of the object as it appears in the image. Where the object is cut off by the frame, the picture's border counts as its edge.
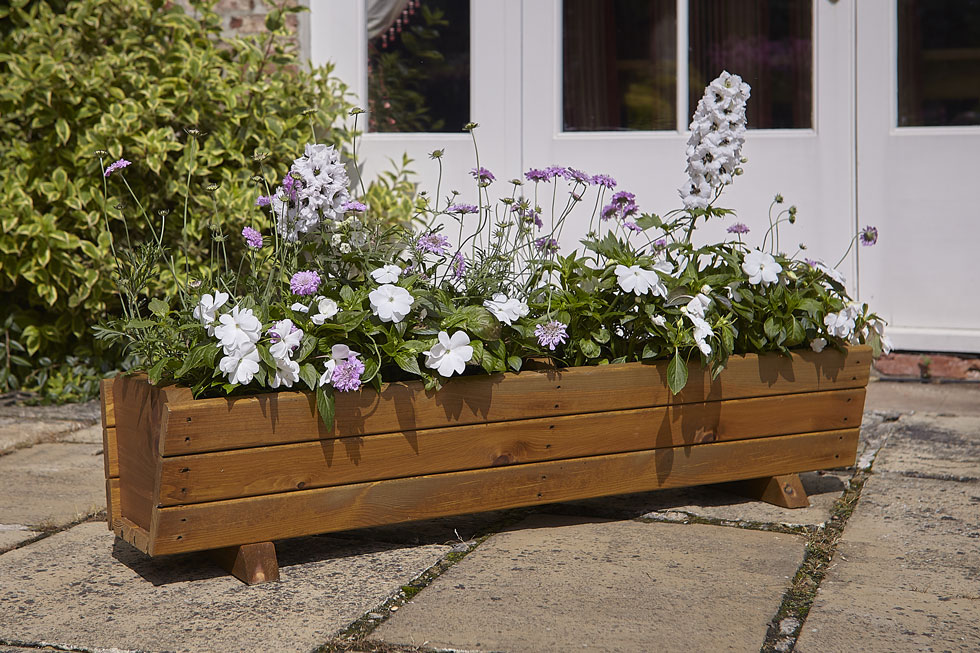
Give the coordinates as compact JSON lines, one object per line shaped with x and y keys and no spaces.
{"x":769,"y":43}
{"x":619,"y":64}
{"x":418,"y":65}
{"x":938,"y":62}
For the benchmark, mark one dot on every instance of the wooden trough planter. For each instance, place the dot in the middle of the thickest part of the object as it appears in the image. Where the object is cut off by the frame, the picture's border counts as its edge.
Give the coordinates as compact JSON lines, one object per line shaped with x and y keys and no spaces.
{"x":235,"y":474}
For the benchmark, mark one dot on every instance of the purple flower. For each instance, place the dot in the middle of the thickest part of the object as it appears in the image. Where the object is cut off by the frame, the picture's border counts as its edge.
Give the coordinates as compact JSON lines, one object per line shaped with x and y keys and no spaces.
{"x":483,"y":176}
{"x":459,"y":265}
{"x":549,"y":245}
{"x":609,"y":211}
{"x":868,"y":236}
{"x":435,"y":243}
{"x":263,"y":200}
{"x":624,"y":197}
{"x":304,"y":282}
{"x":353,"y":205}
{"x":252,"y":238}
{"x":347,"y":375}
{"x":274,"y":336}
{"x":462,"y":208}
{"x":555,"y":171}
{"x":660,"y":245}
{"x":551,"y":333}
{"x":738,"y":228}
{"x":535,"y":174}
{"x":291,"y":186}
{"x":571,"y":174}
{"x":118,"y":165}
{"x":604,"y":180}
{"x":632,"y":226}
{"x":810,"y":262}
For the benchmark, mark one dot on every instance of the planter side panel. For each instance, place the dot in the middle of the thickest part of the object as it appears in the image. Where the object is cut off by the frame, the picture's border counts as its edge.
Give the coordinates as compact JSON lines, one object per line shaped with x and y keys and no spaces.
{"x":294,"y":514}
{"x":285,"y":417}
{"x":266,"y":470}
{"x":140,"y":418}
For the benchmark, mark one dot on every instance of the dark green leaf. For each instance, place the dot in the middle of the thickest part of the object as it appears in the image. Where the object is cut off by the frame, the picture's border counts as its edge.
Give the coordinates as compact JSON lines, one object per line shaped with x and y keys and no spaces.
{"x":309,"y":375}
{"x":408,"y":362}
{"x":325,"y":405}
{"x":158,"y":307}
{"x":676,"y":373}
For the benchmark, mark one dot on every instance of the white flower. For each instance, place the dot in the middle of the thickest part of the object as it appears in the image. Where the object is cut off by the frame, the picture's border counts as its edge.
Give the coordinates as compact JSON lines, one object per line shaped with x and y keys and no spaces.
{"x":287,"y":373}
{"x":240,"y":364}
{"x":450,"y":355}
{"x":841,"y":324}
{"x":345,"y":248}
{"x":818,"y":344}
{"x":338,"y":353}
{"x":639,"y":281}
{"x":207,"y":308}
{"x":302,"y":308}
{"x":387,"y":274}
{"x":886,"y":342}
{"x":659,"y":320}
{"x":702,"y":331}
{"x":336,"y":239}
{"x":761,"y":267}
{"x":391,"y":303}
{"x":287,"y":338}
{"x":238,"y":328}
{"x":326,"y":308}
{"x":507,"y":310}
{"x":700,"y":303}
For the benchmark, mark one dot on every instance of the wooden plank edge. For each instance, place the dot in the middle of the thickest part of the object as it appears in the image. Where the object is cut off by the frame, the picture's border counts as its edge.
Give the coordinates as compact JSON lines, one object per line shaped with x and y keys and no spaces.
{"x":130,"y":532}
{"x":112,"y":514}
{"x":237,"y":521}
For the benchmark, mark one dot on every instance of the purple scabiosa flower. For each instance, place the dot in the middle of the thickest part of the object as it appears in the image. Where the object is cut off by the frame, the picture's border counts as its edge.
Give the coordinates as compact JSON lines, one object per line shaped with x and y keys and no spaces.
{"x":548,"y":245}
{"x":624,"y":197}
{"x":609,"y":211}
{"x":263,"y":200}
{"x":660,"y":245}
{"x":632,"y":226}
{"x":462,"y":208}
{"x":434,"y":243}
{"x":534,"y":174}
{"x":571,"y":174}
{"x":459,"y":265}
{"x":809,"y":261}
{"x":738,"y":228}
{"x":252,"y":238}
{"x":353,"y":205}
{"x":556,"y":171}
{"x":868,"y":236}
{"x":551,"y":334}
{"x":605,"y":181}
{"x":304,"y":282}
{"x":118,"y":165}
{"x":483,"y":176}
{"x":347,"y":375}
{"x":291,"y":186}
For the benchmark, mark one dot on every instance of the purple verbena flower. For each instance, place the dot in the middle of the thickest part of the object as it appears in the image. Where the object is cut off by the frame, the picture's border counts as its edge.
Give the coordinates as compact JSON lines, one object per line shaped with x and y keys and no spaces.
{"x":304,"y":282}
{"x":738,"y":228}
{"x":551,"y":334}
{"x":548,"y":245}
{"x":604,"y":180}
{"x":483,"y":176}
{"x":434,"y":243}
{"x":263,"y":200}
{"x":868,"y":236}
{"x":252,"y":238}
{"x":118,"y":165}
{"x":347,"y":375}
{"x":462,"y":208}
{"x":353,"y":205}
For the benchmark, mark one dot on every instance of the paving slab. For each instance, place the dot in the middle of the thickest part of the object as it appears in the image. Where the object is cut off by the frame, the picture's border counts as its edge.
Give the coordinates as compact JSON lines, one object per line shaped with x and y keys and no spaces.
{"x":51,"y":484}
{"x":933,"y":445}
{"x":89,"y":411}
{"x":558,"y":583}
{"x":86,"y":435}
{"x":121,"y":598}
{"x":13,"y":534}
{"x":906,"y":573}
{"x":17,"y":432}
{"x":942,"y":398}
{"x":713,"y":502}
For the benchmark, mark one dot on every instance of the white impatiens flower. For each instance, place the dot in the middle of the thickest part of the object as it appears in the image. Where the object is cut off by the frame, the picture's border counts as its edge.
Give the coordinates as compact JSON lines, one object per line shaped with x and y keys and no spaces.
{"x":886,"y":342}
{"x":238,"y":328}
{"x":240,"y":364}
{"x":287,"y":373}
{"x":338,"y":354}
{"x":700,"y":303}
{"x":702,"y":331}
{"x":639,"y":281}
{"x":818,"y":344}
{"x":301,"y":308}
{"x":841,"y":324}
{"x":326,"y":308}
{"x":659,"y":320}
{"x":286,"y":338}
{"x":507,"y":310}
{"x":387,"y":274}
{"x":207,"y":309}
{"x":450,"y":355}
{"x":391,"y":303}
{"x":714,"y":149}
{"x":761,"y":268}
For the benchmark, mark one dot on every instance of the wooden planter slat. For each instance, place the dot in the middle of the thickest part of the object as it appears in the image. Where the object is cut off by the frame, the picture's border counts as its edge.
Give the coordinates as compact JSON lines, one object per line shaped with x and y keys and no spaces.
{"x":197,"y":426}
{"x":230,"y":474}
{"x":210,"y":525}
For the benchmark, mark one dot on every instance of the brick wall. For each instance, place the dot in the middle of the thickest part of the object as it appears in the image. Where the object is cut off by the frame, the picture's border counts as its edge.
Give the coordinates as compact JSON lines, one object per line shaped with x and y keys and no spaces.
{"x":240,"y":17}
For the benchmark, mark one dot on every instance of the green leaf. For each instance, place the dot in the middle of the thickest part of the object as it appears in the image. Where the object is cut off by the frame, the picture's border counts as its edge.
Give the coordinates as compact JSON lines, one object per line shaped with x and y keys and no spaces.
{"x":158,"y":307}
{"x":370,"y":370}
{"x":676,"y":373}
{"x":648,"y":220}
{"x":309,"y":375}
{"x":306,"y":347}
{"x":771,"y":328}
{"x":195,"y":358}
{"x":589,"y":348}
{"x":346,"y":294}
{"x":155,"y":372}
{"x":478,"y":321}
{"x":325,"y":405}
{"x":602,"y":335}
{"x":266,"y":356}
{"x":514,"y":362}
{"x":62,"y":130}
{"x":408,"y":362}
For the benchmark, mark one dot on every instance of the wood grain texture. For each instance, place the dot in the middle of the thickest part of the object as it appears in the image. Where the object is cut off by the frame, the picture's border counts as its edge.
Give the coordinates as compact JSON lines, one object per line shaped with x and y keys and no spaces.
{"x":278,"y":418}
{"x":140,"y":419}
{"x":110,"y":456}
{"x":265,"y":470}
{"x":250,"y":563}
{"x":132,"y":533}
{"x":785,"y":491}
{"x":293,"y":514}
{"x":111,"y":502}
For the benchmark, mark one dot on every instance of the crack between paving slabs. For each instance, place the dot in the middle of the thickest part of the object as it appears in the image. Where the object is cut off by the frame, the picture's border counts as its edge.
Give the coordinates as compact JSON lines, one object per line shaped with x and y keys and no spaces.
{"x":52,"y":646}
{"x":47,"y":531}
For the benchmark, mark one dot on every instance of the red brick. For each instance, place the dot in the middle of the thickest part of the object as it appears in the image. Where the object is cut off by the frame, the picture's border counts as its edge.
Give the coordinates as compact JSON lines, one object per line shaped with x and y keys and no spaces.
{"x":225,"y":7}
{"x":899,"y":365}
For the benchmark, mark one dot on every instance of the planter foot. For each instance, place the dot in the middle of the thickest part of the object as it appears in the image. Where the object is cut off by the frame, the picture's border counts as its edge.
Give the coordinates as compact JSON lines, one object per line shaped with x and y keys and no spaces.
{"x":250,"y":563}
{"x":785,"y":491}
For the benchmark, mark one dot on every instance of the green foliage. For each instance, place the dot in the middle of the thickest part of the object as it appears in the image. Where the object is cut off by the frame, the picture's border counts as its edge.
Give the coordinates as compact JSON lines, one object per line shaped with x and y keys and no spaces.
{"x":148,"y":82}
